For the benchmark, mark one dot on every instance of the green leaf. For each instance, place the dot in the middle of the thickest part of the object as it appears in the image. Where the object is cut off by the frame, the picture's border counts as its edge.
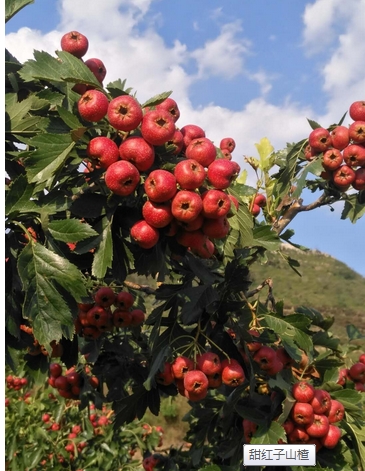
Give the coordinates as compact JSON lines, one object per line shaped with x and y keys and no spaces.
{"x":353,"y":332}
{"x":17,"y":118}
{"x":52,"y":151}
{"x":12,"y":7}
{"x":41,"y":272}
{"x":104,"y":253}
{"x":70,"y":230}
{"x":313,"y":124}
{"x":18,"y":198}
{"x":314,"y":167}
{"x":200,"y":297}
{"x":263,"y":236}
{"x":157,"y":99}
{"x":273,"y":435}
{"x":265,"y":149}
{"x":291,"y":330}
{"x":69,"y":69}
{"x":354,"y":209}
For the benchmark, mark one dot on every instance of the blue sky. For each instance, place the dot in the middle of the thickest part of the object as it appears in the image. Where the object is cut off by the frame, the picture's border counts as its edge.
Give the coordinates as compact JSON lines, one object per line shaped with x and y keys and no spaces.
{"x":243,"y":69}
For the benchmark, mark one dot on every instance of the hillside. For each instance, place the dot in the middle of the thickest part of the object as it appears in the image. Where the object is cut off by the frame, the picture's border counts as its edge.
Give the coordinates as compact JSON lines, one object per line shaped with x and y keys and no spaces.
{"x":325,"y":284}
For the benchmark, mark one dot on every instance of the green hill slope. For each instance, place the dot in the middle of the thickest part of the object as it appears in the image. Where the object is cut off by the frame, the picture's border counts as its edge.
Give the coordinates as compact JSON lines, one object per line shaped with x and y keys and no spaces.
{"x":326,"y":284}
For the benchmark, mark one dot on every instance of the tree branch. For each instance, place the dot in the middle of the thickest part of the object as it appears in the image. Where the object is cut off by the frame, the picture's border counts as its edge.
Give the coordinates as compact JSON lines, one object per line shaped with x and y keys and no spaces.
{"x":297,"y":207}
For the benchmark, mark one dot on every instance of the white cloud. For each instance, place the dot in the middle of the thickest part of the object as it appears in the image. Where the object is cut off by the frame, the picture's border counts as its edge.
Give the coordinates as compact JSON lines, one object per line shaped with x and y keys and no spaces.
{"x":224,"y":55}
{"x":335,"y":29}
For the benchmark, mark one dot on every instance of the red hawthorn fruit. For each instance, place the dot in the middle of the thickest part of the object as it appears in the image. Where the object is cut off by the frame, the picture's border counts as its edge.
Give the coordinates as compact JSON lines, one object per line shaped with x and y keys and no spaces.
{"x":189,"y":174}
{"x":46,"y":418}
{"x":104,"y":296}
{"x":232,"y":373}
{"x":362,"y":358}
{"x":340,"y":137}
{"x":298,"y":435}
{"x":260,"y":200}
{"x":74,"y":378}
{"x":96,"y":314}
{"x":177,"y":141}
{"x":288,"y":426}
{"x":122,"y":177}
{"x":320,"y":139}
{"x":55,"y":427}
{"x":160,"y":186}
{"x":144,"y":235}
{"x":332,"y":437}
{"x":319,"y":427}
{"x":249,"y":428}
{"x":138,"y":151}
{"x":181,"y":366}
{"x":195,"y":384}
{"x":354,"y":155}
{"x":255,"y":210}
{"x":357,"y":110}
{"x":357,"y":372}
{"x":191,"y":132}
{"x":284,"y":357}
{"x":332,"y":159}
{"x":75,"y":43}
{"x":124,"y":300}
{"x":62,"y":383}
{"x":165,"y":377}
{"x":193,"y":225}
{"x":265,"y":357}
{"x":303,"y":391}
{"x":55,"y":370}
{"x":336,"y":412}
{"x":227,"y":143}
{"x":216,"y":204}
{"x":321,"y":402}
{"x":276,"y":367}
{"x":216,"y":228}
{"x":93,"y":105}
{"x":359,"y":182}
{"x":202,"y":150}
{"x":215,"y":380}
{"x":221,"y":173}
{"x":186,"y":205}
{"x":158,"y":127}
{"x":302,"y":413}
{"x":124,"y":113}
{"x":359,"y":386}
{"x":97,"y":67}
{"x":357,"y":131}
{"x":138,"y":317}
{"x":122,"y":318}
{"x":171,"y":106}
{"x":209,"y":363}
{"x":343,"y":374}
{"x":343,"y":177}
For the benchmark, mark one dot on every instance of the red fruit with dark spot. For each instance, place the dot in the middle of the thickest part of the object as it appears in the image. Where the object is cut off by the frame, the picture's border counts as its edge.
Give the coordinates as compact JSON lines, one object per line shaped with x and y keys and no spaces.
{"x":340,"y":137}
{"x":216,"y":228}
{"x":189,"y":174}
{"x":216,"y":204}
{"x":209,"y":363}
{"x":191,"y":132}
{"x":202,"y":150}
{"x":138,"y":151}
{"x":265,"y":357}
{"x":357,"y":131}
{"x":124,"y":300}
{"x":319,"y":427}
{"x":181,"y":366}
{"x":93,"y":105}
{"x":157,"y":214}
{"x":138,"y":317}
{"x":122,"y":178}
{"x":336,"y":412}
{"x":171,"y":106}
{"x":249,"y":428}
{"x":221,"y":173}
{"x":232,"y":373}
{"x":332,"y":159}
{"x":332,"y":437}
{"x":55,"y":370}
{"x":97,"y":67}
{"x":260,"y":200}
{"x":354,"y":155}
{"x":144,"y":235}
{"x":160,"y":186}
{"x":196,"y":384}
{"x":157,"y":127}
{"x":75,"y":43}
{"x":125,"y":113}
{"x":320,"y":139}
{"x":165,"y":377}
{"x":228,"y":143}
{"x":303,"y":391}
{"x":302,"y":413}
{"x":186,"y":205}
{"x":104,"y":296}
{"x":103,"y":150}
{"x":321,"y":402}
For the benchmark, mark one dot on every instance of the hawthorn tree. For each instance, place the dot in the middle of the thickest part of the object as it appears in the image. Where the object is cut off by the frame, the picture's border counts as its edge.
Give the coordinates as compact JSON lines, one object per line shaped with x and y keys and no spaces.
{"x":152,"y":293}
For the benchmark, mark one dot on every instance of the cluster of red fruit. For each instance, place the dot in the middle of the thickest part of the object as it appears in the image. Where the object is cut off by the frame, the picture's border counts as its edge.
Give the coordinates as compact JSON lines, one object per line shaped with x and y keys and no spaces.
{"x":193,"y":379}
{"x":356,"y":374}
{"x":13,"y":382}
{"x":342,"y":150}
{"x":69,"y":385}
{"x":257,"y":203}
{"x":188,"y":202}
{"x":313,"y":416}
{"x":270,"y":360}
{"x":109,"y":310}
